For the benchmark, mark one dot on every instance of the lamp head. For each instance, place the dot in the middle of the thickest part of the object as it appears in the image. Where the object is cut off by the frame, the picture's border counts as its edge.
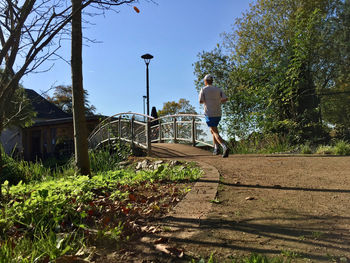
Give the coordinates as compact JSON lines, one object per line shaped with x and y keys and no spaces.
{"x":147,"y":58}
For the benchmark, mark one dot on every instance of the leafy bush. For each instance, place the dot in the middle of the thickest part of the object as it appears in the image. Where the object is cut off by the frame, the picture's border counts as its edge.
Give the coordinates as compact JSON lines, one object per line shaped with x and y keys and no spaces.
{"x":108,"y":158}
{"x":15,"y":171}
{"x":10,"y":171}
{"x":342,"y":148}
{"x":325,"y":149}
{"x":305,"y":149}
{"x":260,"y":143}
{"x":44,"y":220}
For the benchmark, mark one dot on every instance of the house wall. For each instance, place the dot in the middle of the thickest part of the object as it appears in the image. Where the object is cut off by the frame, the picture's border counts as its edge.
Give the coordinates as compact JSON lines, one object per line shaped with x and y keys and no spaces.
{"x":50,"y":140}
{"x":11,"y":139}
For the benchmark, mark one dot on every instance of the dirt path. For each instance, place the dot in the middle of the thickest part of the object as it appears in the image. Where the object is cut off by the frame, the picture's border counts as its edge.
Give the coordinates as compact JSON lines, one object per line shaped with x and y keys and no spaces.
{"x":296,"y":206}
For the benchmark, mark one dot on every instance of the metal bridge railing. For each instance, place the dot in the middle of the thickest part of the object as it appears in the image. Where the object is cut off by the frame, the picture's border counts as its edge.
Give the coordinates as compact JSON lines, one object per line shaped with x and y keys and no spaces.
{"x":141,"y":130}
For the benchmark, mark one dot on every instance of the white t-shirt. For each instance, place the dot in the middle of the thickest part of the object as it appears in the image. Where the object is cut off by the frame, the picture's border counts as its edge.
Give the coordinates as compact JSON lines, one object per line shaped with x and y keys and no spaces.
{"x":211,"y":97}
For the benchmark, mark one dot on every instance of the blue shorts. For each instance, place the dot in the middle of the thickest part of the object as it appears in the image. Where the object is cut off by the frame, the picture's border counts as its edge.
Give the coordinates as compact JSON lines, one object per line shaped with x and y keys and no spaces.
{"x":212,"y":121}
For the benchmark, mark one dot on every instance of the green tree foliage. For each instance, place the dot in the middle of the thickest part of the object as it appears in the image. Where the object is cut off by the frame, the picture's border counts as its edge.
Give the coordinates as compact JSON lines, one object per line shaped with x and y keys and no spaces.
{"x":183,"y":106}
{"x":19,"y":110}
{"x":336,"y":99}
{"x":62,"y":97}
{"x":279,"y":57}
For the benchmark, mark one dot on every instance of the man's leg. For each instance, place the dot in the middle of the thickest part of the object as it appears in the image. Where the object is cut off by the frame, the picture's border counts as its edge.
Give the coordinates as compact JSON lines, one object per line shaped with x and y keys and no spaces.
{"x":216,"y":136}
{"x":216,"y":143}
{"x":217,"y":139}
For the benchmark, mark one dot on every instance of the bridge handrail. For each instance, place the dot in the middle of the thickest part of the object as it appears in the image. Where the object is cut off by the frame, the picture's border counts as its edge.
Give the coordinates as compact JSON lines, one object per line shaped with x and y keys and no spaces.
{"x":107,"y":120}
{"x":149,"y":125}
{"x":179,"y":115}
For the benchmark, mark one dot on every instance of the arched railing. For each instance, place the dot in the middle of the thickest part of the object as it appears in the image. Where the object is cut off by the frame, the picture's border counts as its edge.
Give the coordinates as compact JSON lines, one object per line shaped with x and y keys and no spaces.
{"x":142,"y":130}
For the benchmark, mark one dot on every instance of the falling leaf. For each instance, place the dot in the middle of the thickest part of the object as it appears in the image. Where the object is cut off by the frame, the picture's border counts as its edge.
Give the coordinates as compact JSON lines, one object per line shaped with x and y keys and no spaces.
{"x":136,"y":9}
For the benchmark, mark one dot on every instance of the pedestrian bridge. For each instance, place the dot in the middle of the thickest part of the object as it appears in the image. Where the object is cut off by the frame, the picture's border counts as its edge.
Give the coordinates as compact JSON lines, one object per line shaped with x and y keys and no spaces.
{"x":142,"y":130}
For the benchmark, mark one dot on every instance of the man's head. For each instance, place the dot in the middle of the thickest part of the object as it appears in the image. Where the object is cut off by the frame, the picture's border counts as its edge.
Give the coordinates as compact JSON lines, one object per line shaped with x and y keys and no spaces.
{"x":208,"y":79}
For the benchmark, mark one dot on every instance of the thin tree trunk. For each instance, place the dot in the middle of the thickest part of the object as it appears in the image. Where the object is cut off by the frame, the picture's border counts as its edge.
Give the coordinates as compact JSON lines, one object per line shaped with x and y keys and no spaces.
{"x":79,"y":121}
{"x":1,"y":161}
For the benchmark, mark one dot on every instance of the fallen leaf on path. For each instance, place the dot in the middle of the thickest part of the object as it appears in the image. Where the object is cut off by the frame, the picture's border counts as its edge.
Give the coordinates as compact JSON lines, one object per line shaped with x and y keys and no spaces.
{"x":170,"y":250}
{"x":250,"y":198}
{"x":215,"y":201}
{"x":161,"y":240}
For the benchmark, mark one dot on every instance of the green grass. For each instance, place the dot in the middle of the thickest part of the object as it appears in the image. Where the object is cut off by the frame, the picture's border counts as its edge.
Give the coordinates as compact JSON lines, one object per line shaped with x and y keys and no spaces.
{"x":342,"y":148}
{"x":305,"y":149}
{"x":325,"y":149}
{"x":274,"y":144}
{"x":262,"y":144}
{"x":108,"y":158}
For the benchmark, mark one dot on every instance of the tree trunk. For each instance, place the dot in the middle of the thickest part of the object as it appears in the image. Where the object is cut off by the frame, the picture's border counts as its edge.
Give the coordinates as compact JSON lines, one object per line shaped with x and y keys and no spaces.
{"x":79,"y":121}
{"x":1,"y":161}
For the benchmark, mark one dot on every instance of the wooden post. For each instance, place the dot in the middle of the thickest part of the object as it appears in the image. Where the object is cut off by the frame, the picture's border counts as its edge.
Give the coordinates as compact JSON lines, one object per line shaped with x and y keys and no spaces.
{"x":193,"y":126}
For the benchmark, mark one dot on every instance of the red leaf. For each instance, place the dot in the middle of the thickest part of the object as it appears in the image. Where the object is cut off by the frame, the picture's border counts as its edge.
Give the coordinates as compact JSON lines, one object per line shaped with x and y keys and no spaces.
{"x":106,"y":220}
{"x":125,"y":210}
{"x":132,"y":197}
{"x":136,"y":9}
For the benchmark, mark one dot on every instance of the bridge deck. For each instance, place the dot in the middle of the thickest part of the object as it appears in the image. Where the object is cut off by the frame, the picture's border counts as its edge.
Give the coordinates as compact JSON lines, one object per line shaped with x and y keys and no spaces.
{"x":174,"y":150}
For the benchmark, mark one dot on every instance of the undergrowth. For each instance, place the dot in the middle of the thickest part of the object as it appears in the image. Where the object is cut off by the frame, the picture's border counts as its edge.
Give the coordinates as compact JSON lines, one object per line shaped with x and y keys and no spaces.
{"x":45,"y":215}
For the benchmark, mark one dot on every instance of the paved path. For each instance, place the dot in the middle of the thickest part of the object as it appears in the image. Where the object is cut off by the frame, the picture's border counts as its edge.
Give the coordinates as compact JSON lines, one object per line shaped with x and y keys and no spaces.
{"x":269,"y":204}
{"x":185,"y":220}
{"x":199,"y":199}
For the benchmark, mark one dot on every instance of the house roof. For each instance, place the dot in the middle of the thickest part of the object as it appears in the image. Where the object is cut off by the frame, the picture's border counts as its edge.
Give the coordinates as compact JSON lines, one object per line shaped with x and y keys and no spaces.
{"x":66,"y":120}
{"x":44,"y":108}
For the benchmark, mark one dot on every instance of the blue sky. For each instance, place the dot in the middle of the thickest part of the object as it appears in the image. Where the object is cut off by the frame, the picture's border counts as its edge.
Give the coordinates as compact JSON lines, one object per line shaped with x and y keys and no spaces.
{"x":174,"y":32}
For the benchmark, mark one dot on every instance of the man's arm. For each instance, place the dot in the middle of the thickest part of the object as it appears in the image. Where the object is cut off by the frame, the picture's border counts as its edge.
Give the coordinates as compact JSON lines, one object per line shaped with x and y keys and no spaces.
{"x":201,"y":97}
{"x":223,"y":100}
{"x":223,"y":96}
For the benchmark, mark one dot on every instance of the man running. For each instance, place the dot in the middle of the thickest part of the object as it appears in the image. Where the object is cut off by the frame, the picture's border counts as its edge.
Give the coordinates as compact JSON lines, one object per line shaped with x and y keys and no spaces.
{"x":212,"y":97}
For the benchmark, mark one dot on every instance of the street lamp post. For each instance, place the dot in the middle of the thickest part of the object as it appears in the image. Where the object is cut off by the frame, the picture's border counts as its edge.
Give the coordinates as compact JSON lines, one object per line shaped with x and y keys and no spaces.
{"x":147,"y":58}
{"x":144,"y":97}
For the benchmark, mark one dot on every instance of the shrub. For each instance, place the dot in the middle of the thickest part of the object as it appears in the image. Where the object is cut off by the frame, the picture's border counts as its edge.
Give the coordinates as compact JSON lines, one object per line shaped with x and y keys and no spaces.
{"x":262,"y":143}
{"x":305,"y":149}
{"x":10,"y":170}
{"x":342,"y":148}
{"x":325,"y":149}
{"x":108,"y":158}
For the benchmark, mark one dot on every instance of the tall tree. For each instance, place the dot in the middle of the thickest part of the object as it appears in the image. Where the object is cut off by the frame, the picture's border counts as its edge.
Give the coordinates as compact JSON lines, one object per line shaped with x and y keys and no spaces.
{"x":183,"y":106}
{"x":336,"y":99}
{"x":30,"y":34}
{"x":79,"y":122}
{"x":62,"y":98}
{"x":282,"y":58}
